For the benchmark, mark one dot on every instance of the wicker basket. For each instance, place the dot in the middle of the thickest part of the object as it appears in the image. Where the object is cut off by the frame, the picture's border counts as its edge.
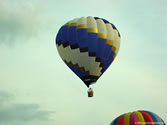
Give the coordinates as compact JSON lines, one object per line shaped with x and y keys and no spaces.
{"x":90,"y":93}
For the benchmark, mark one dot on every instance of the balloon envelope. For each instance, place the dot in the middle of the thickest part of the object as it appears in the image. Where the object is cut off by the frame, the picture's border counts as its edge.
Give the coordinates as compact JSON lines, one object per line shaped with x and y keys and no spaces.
{"x":138,"y":118}
{"x":88,"y":45}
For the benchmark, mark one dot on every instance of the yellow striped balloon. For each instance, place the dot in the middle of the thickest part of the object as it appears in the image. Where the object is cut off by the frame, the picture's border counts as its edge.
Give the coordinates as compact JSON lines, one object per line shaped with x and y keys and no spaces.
{"x":138,"y":118}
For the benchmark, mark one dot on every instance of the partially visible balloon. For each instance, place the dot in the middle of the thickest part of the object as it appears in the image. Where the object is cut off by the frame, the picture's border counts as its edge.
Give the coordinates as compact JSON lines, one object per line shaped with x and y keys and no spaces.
{"x":88,"y":45}
{"x":138,"y":118}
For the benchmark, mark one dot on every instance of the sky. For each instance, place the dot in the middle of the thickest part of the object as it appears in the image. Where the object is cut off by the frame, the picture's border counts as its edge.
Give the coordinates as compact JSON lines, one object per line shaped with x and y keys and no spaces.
{"x":38,"y":88}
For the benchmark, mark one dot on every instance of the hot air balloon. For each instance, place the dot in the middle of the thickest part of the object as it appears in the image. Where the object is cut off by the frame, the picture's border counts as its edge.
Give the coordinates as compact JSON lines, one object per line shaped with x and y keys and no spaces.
{"x":138,"y":118}
{"x":88,"y":45}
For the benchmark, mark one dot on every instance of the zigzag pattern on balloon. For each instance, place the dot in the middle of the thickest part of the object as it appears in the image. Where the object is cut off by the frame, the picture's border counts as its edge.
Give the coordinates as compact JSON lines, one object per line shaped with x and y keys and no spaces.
{"x":75,"y":46}
{"x":83,"y":69}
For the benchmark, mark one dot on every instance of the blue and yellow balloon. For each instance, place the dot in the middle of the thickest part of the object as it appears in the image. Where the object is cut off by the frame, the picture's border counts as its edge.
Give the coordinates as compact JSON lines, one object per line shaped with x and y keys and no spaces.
{"x":88,"y":45}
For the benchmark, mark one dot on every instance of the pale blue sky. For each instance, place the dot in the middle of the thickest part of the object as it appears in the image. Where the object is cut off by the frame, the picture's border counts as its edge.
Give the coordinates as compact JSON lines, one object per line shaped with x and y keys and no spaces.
{"x":36,"y":83}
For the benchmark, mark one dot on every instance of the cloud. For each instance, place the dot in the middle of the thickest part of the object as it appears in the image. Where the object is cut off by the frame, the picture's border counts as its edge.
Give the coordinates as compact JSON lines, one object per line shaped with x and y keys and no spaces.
{"x":5,"y":97}
{"x":20,"y":19}
{"x":22,"y":112}
{"x":11,"y":113}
